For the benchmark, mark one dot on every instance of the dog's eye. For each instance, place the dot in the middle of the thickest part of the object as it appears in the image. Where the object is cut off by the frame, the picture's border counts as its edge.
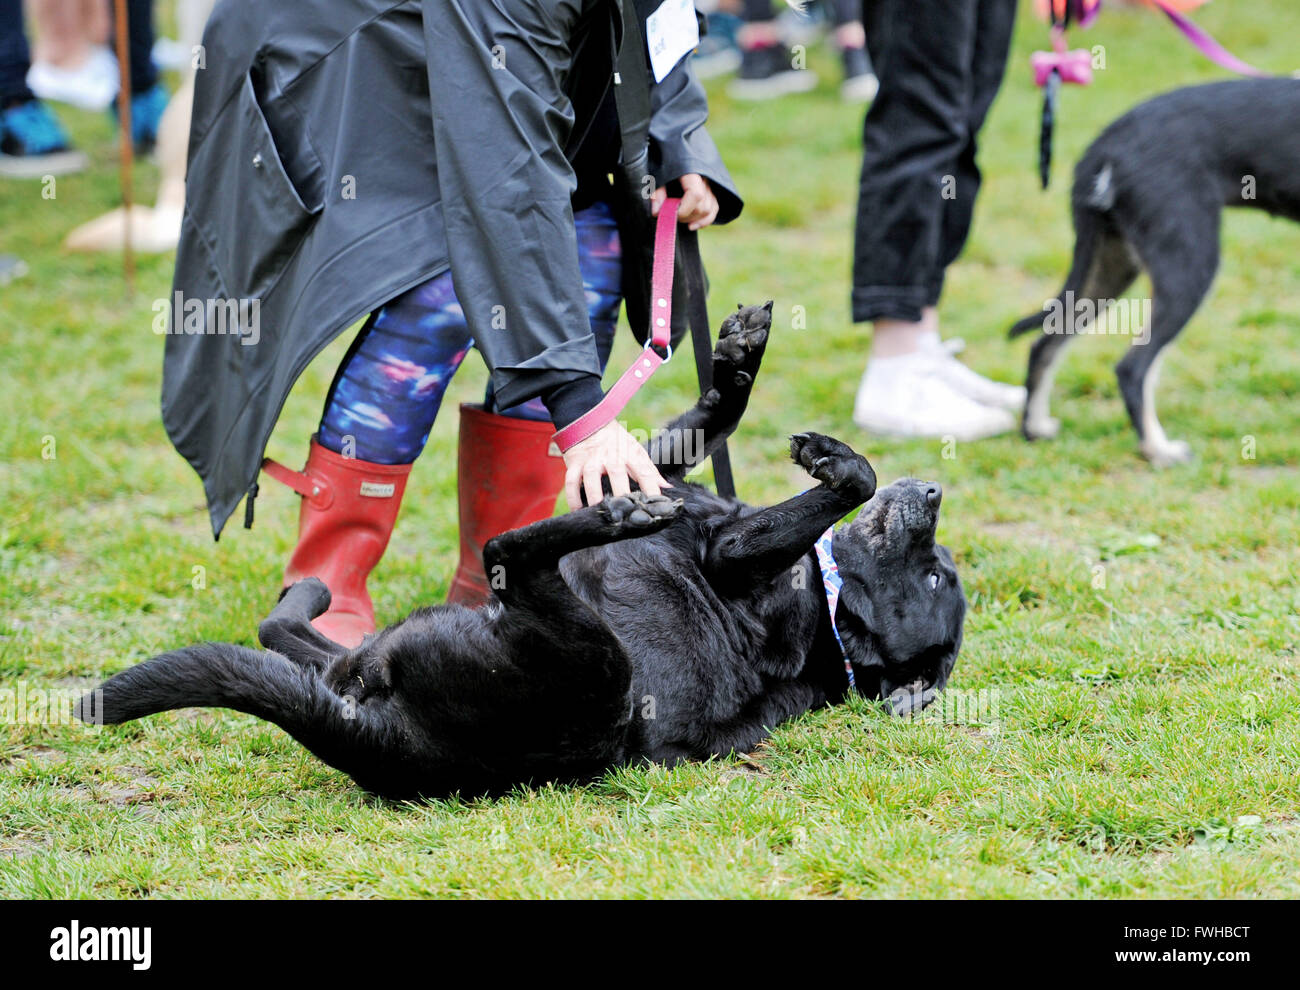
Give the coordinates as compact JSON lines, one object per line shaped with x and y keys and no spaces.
{"x":934,"y":582}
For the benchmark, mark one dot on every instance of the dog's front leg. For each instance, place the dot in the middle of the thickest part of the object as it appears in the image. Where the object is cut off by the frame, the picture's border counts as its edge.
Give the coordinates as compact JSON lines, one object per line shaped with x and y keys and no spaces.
{"x":754,"y":549}
{"x":693,"y":437}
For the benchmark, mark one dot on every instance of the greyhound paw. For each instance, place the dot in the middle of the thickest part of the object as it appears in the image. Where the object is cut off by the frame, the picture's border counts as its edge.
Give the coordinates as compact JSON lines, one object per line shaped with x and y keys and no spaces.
{"x":834,"y":464}
{"x":741,"y":341}
{"x":1168,"y":453}
{"x":639,"y":511}
{"x":1041,"y":428}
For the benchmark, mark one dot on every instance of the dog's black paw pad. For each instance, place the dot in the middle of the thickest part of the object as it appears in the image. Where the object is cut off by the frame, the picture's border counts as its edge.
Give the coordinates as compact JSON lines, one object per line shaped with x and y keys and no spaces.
{"x":616,"y":507}
{"x":743,"y":336}
{"x":639,"y":510}
{"x":832,"y":462}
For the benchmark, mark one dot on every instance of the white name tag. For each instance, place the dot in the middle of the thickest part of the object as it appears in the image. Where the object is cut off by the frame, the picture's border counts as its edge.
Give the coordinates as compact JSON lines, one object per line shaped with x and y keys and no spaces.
{"x":671,"y":32}
{"x":376,"y":489}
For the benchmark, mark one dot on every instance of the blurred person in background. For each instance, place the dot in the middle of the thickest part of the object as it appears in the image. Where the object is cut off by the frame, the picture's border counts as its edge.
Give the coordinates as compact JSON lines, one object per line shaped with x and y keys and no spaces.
{"x":32,"y":141}
{"x":940,"y":66}
{"x":768,"y":68}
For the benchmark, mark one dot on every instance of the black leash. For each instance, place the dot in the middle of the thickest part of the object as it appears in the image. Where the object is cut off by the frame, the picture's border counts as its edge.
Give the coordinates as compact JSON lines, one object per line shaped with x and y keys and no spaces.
{"x":697,"y":315}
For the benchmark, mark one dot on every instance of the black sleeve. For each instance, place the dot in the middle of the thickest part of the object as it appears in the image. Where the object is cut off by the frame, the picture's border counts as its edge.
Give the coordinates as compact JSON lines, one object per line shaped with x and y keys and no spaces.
{"x":500,"y":123}
{"x":679,"y":144}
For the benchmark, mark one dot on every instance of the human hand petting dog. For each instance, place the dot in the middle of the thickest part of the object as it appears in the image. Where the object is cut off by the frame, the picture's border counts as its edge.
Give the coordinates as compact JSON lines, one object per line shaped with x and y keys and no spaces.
{"x":699,"y":205}
{"x":611,"y":451}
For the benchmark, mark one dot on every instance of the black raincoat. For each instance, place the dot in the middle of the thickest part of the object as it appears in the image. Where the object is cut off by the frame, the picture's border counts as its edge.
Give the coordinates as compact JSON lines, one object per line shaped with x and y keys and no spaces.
{"x":344,"y":151}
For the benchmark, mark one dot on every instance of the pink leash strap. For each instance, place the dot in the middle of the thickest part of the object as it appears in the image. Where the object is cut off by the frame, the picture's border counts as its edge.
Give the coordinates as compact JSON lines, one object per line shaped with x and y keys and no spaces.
{"x":648,"y":362}
{"x":1210,"y":48}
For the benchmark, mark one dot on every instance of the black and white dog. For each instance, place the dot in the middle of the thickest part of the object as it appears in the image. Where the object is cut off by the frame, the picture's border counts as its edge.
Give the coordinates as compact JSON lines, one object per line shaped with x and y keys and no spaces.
{"x":1148,"y":194}
{"x":665,"y":628}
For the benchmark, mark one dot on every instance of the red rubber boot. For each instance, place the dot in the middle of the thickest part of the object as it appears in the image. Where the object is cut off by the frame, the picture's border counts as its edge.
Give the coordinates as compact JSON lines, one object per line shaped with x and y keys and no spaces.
{"x":349,"y":507}
{"x":508,"y":475}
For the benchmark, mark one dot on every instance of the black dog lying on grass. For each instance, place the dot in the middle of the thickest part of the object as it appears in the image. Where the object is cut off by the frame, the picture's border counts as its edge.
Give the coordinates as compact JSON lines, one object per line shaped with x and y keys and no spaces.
{"x":637,"y":629}
{"x":1148,"y":194}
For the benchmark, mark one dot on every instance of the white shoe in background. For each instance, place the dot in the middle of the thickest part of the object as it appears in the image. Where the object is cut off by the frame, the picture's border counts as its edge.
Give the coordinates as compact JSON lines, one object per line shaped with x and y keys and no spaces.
{"x":903,"y":397}
{"x":91,"y":86}
{"x":972,"y":384}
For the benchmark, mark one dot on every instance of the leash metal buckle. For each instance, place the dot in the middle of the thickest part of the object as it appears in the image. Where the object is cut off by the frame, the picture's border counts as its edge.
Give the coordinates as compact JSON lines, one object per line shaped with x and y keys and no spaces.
{"x":668,"y":349}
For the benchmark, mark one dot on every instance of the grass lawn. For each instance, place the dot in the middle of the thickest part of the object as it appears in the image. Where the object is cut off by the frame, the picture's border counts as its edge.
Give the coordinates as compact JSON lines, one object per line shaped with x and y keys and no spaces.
{"x":1135,"y":632}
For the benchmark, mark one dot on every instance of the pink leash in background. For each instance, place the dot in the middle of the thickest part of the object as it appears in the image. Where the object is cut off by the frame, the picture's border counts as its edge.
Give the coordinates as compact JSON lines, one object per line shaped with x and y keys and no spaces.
{"x":1202,"y":39}
{"x":648,"y":362}
{"x":1061,"y":65}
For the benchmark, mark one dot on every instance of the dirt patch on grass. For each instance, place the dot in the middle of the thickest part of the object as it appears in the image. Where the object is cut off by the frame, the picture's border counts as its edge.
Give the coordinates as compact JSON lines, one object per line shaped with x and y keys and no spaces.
{"x":22,"y":846}
{"x":1025,"y":531}
{"x":138,"y":788}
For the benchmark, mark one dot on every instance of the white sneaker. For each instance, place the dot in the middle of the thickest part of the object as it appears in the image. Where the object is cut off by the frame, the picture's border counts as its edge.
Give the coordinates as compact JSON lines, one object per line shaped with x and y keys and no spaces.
{"x":972,"y":384}
{"x":902,"y":397}
{"x":91,"y":86}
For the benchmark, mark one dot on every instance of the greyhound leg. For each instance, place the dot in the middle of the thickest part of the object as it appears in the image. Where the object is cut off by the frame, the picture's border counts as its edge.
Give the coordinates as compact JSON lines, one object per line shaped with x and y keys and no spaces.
{"x":1182,"y":271}
{"x":1113,"y":269}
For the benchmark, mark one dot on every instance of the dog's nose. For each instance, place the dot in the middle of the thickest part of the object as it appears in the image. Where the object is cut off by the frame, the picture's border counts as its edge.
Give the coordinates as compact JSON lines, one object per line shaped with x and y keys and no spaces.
{"x":934,"y":495}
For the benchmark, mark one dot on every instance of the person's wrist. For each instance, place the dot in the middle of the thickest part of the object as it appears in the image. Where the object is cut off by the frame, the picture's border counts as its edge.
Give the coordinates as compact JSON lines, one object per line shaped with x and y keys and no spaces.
{"x":573,"y":400}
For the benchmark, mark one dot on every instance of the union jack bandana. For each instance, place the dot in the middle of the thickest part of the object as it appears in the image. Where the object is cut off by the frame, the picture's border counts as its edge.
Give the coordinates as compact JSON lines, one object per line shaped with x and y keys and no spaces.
{"x":832,"y":582}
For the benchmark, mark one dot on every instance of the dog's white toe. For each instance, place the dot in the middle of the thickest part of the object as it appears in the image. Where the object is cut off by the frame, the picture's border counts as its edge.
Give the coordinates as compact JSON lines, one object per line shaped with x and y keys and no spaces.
{"x":1042,"y":427}
{"x":1168,"y":453}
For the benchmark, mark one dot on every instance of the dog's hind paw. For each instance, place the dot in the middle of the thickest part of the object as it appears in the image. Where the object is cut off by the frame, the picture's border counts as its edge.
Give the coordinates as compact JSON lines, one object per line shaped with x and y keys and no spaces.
{"x":640,"y":511}
{"x":1168,"y":453}
{"x":833,"y":463}
{"x":1040,"y":428}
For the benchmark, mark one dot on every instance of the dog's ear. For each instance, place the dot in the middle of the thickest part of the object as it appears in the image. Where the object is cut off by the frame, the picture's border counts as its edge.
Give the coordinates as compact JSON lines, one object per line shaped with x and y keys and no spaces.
{"x":854,"y":598}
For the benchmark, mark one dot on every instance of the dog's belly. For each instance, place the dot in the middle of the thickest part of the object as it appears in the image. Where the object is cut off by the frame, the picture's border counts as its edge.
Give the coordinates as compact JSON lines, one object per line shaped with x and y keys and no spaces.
{"x":709,"y":674}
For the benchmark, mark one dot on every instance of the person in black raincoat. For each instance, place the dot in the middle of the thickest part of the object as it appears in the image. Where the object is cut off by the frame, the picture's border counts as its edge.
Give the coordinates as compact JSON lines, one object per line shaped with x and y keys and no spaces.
{"x":368,"y":156}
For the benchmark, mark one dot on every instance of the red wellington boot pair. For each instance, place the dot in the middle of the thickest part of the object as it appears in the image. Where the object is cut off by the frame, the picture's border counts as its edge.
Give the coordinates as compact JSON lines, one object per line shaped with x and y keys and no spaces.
{"x":509,"y":474}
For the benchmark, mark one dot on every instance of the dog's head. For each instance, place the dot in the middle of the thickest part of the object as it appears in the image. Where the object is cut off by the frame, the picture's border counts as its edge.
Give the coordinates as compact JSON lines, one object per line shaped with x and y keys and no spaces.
{"x":902,"y":606}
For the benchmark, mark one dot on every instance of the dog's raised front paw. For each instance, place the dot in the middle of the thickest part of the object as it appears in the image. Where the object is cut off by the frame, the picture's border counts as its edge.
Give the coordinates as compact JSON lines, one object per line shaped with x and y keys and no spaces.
{"x":741,"y":341}
{"x":833,"y":463}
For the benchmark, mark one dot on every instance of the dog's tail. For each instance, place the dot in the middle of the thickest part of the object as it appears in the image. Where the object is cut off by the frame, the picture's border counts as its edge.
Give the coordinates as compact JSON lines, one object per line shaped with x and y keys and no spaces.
{"x":221,"y":675}
{"x":1088,"y":230}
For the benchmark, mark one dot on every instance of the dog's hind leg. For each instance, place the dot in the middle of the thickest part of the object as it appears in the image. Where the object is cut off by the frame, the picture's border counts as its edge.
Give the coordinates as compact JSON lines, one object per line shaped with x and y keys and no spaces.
{"x":692,"y":437}
{"x":1111,"y":268}
{"x":753,"y":549}
{"x":573,"y":699}
{"x":1182,"y":267}
{"x":288,"y":629}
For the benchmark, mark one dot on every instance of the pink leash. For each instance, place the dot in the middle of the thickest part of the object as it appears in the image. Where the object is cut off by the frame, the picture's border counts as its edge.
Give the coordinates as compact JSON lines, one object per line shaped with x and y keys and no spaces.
{"x":1210,"y":48}
{"x":1076,"y":66}
{"x":661,"y":319}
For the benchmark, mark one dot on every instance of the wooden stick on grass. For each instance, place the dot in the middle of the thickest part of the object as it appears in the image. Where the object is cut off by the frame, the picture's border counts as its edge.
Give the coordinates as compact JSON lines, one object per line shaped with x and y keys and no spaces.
{"x":127,"y":146}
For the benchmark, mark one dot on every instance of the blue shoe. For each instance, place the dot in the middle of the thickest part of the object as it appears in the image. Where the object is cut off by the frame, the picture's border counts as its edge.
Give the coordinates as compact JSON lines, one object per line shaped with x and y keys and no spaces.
{"x":146,"y":114}
{"x":33,"y":144}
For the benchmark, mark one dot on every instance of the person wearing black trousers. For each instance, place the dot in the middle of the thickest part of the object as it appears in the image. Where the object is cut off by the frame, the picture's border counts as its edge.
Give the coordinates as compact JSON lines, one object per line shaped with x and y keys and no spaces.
{"x":767,"y":68}
{"x":32,"y":142}
{"x":940,"y":66}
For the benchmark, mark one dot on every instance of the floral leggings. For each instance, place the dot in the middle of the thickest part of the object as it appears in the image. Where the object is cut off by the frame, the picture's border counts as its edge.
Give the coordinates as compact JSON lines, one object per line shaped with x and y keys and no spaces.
{"x":388,"y":389}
